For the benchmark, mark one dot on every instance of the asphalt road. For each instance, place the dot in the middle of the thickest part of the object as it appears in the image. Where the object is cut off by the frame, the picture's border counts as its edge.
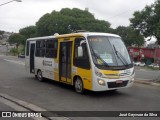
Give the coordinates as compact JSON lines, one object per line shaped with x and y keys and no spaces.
{"x":53,"y":96}
{"x":147,"y":74}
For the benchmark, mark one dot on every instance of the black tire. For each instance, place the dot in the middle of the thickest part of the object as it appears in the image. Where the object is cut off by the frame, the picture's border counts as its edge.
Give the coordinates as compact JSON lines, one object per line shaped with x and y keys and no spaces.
{"x":35,"y":76}
{"x":40,"y":76}
{"x":78,"y":85}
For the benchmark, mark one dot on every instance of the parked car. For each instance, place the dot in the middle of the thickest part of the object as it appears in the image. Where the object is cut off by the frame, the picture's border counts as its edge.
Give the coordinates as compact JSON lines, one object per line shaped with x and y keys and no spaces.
{"x":136,"y":63}
{"x":156,"y":66}
{"x":151,"y":65}
{"x":21,"y":56}
{"x":142,"y":64}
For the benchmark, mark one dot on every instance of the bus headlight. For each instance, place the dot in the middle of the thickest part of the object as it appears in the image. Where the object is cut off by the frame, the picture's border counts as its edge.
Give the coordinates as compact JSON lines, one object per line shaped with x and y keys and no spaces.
{"x":98,"y":73}
{"x":101,"y":82}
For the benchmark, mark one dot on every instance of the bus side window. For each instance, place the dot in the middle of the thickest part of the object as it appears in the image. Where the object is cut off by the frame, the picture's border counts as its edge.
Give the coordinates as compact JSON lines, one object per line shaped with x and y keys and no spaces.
{"x":82,"y":62}
{"x":51,"y":48}
{"x":40,"y":48}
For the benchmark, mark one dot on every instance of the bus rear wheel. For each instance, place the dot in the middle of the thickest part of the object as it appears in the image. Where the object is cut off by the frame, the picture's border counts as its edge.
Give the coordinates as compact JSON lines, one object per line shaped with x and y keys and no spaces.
{"x":39,"y":76}
{"x":78,"y":85}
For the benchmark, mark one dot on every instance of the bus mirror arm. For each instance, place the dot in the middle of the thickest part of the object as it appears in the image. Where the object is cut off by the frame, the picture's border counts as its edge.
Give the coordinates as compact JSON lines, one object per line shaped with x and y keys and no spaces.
{"x":82,"y":42}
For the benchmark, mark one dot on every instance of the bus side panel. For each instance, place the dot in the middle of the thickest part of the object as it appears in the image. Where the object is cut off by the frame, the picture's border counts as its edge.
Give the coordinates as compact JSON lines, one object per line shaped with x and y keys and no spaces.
{"x":39,"y":65}
{"x":86,"y":76}
{"x":56,"y":71}
{"x":48,"y":64}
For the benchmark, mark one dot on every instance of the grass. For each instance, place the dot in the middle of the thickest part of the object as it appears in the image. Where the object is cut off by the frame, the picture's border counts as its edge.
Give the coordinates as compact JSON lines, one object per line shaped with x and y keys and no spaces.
{"x":151,"y":68}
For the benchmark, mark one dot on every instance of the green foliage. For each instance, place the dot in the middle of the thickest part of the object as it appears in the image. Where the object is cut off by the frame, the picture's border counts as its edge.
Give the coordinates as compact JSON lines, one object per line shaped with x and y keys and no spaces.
{"x":69,"y":20}
{"x":14,"y":51}
{"x":16,"y":39}
{"x":76,"y":13}
{"x":1,"y":32}
{"x":21,"y":49}
{"x":28,"y":32}
{"x":130,"y":36}
{"x":17,"y":51}
{"x":147,"y":21}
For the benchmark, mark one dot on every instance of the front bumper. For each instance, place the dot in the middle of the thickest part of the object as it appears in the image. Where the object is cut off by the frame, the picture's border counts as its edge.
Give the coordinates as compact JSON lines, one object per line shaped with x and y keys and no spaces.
{"x":111,"y":84}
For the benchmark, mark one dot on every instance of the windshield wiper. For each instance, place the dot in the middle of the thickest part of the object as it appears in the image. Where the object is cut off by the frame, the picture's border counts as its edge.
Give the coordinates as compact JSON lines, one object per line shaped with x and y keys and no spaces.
{"x":120,"y":56}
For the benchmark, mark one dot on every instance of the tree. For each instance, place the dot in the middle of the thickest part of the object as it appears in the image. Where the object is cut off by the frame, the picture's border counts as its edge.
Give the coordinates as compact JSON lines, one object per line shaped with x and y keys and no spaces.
{"x":130,"y":36}
{"x":28,"y":32}
{"x":17,"y":39}
{"x":1,"y":32}
{"x":68,"y":20}
{"x":147,"y":21}
{"x":76,"y":13}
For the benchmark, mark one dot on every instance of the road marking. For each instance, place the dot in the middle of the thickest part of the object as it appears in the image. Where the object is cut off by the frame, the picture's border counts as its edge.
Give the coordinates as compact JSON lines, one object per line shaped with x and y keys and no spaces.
{"x":147,"y":82}
{"x":13,"y":61}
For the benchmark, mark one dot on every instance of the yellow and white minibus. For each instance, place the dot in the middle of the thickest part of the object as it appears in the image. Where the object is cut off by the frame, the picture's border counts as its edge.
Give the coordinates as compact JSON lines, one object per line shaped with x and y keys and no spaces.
{"x":86,"y":60}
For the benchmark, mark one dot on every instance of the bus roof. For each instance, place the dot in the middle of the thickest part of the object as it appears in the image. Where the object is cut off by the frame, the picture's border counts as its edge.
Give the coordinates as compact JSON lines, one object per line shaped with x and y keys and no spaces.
{"x":85,"y":34}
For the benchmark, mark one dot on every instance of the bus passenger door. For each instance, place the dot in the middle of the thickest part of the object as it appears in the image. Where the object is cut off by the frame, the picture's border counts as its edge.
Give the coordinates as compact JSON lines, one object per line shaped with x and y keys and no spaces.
{"x":32,"y":51}
{"x":65,"y":62}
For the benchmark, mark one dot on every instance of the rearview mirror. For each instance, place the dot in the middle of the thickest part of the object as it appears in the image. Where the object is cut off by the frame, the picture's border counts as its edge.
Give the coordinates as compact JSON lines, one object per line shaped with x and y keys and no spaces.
{"x":80,"y":51}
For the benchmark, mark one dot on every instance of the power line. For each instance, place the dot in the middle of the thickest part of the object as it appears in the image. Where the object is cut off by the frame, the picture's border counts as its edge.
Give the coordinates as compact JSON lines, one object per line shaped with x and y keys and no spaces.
{"x":10,"y":2}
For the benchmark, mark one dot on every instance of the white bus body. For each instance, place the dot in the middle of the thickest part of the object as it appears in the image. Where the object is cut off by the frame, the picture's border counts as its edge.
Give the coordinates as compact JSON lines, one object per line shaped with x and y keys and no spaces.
{"x":92,"y":61}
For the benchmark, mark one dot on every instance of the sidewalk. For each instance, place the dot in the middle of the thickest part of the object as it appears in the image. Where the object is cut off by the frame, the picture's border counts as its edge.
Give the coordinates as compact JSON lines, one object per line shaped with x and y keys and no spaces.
{"x":4,"y":107}
{"x":12,"y":105}
{"x":148,"y":82}
{"x":7,"y":109}
{"x":146,"y":76}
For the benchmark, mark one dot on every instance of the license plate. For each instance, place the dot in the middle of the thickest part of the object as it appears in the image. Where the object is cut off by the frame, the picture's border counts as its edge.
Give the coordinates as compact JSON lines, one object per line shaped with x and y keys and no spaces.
{"x":119,"y":81}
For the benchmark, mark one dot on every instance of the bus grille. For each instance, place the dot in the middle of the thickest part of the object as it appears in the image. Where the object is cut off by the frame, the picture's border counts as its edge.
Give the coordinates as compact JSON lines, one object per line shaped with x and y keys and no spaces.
{"x":112,"y":76}
{"x":124,"y":74}
{"x":116,"y":85}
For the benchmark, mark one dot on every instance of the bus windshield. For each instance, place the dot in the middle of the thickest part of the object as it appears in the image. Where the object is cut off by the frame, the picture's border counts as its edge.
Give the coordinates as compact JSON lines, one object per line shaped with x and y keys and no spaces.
{"x":109,"y":51}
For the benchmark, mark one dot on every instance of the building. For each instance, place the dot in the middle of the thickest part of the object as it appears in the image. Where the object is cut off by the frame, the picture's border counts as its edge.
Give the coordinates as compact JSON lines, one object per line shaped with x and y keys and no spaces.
{"x":147,"y":55}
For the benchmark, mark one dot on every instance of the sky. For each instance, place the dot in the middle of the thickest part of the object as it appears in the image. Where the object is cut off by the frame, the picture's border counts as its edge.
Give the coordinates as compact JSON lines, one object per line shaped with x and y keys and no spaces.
{"x":16,"y":15}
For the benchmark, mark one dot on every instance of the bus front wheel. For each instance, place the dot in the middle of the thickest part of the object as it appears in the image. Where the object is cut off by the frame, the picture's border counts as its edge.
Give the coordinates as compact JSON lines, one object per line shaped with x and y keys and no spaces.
{"x":39,"y":76}
{"x":78,"y":85}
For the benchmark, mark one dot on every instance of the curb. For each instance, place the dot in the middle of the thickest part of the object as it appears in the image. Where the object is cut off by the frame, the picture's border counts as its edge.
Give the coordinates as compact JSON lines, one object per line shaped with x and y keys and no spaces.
{"x":32,"y":107}
{"x":147,"y":83}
